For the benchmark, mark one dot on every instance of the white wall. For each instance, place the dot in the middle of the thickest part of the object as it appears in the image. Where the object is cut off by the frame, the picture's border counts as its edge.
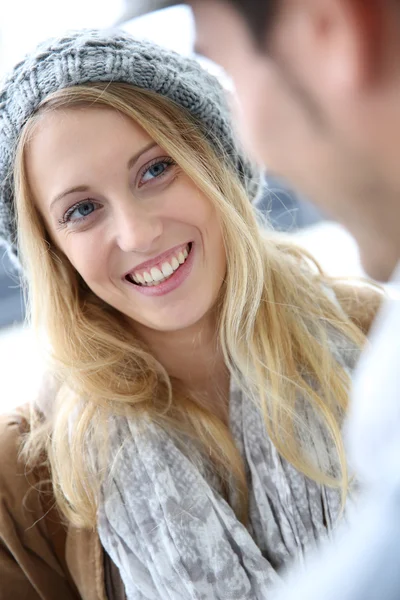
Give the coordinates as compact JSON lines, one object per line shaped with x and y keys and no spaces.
{"x":25,"y":23}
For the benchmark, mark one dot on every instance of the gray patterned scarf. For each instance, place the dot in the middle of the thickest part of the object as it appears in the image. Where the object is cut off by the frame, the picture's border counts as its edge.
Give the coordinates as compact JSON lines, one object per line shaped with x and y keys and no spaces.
{"x":165,"y":524}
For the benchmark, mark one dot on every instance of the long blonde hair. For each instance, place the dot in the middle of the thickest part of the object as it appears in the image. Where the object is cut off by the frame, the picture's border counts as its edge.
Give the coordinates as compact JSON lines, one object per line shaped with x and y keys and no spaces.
{"x":275,"y":317}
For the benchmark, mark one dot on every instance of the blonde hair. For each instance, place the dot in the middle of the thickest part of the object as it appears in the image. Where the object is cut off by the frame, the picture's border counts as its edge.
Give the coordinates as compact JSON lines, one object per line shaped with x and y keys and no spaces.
{"x":275,"y":317}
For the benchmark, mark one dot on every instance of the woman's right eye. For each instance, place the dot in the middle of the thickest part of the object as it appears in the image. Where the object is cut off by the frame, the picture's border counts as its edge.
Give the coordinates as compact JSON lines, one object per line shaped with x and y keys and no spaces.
{"x":79,"y":212}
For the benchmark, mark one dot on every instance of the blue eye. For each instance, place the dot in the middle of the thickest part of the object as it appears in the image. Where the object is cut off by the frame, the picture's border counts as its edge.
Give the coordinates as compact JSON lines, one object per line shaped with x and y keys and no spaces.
{"x":156,"y":170}
{"x":79,"y":212}
{"x":83,"y":210}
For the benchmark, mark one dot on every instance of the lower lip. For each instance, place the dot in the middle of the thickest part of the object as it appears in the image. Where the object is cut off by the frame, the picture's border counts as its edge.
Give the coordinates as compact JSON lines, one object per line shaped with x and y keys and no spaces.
{"x":165,"y":287}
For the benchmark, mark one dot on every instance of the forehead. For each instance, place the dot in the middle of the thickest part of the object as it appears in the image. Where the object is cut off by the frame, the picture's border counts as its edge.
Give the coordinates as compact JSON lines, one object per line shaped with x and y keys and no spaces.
{"x":68,"y":133}
{"x":72,"y":143}
{"x":79,"y":122}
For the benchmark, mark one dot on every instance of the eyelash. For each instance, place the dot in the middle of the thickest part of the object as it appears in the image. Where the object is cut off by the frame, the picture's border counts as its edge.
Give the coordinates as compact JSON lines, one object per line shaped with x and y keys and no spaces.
{"x":156,"y":161}
{"x":66,"y":218}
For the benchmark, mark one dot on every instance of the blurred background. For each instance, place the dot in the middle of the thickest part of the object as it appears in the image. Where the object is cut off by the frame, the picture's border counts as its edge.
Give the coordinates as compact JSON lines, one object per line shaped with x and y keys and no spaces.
{"x":23,"y":24}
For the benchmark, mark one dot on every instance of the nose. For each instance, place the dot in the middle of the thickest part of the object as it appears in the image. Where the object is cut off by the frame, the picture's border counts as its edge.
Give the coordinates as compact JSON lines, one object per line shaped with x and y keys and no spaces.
{"x":137,"y":229}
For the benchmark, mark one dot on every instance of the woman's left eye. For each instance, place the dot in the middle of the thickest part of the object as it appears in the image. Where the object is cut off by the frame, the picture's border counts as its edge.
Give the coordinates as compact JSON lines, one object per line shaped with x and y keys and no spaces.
{"x":156,"y":170}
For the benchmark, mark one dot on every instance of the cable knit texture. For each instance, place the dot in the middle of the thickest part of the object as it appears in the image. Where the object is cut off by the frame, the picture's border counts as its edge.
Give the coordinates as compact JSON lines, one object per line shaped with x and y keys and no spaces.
{"x":98,"y":56}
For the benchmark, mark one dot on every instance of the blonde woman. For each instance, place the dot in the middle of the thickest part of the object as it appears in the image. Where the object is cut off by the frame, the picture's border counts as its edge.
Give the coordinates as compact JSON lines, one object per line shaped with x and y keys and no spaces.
{"x":190,"y":445}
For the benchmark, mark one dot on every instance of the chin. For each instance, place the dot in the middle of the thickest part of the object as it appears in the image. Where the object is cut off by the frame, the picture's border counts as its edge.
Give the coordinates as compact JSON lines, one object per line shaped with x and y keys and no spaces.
{"x":178,"y":324}
{"x":173,"y":320}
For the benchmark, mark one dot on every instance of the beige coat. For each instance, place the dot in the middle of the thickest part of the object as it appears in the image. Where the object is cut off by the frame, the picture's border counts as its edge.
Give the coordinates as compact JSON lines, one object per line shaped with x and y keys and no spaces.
{"x":39,"y":556}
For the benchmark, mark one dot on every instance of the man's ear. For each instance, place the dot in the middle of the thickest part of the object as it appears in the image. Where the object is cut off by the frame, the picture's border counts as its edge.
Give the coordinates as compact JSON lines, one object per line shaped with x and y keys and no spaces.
{"x":365,"y":22}
{"x":341,"y":43}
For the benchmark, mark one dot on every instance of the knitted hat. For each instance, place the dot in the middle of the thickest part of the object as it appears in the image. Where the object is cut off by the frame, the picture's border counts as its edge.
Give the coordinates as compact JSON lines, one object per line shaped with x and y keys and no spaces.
{"x":95,"y":56}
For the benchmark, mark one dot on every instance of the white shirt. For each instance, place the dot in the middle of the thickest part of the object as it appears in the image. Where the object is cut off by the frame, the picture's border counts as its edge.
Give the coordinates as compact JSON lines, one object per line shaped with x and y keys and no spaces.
{"x":363,"y":561}
{"x":373,"y":428}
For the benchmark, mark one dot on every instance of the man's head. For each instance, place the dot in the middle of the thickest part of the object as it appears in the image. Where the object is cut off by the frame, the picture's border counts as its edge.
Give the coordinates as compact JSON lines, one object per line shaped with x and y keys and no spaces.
{"x":319,"y":83}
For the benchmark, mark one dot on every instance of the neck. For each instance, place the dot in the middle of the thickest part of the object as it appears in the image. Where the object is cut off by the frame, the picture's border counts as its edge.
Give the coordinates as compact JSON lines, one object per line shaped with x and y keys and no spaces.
{"x":375,"y":220}
{"x":191,"y":355}
{"x":386,"y":216}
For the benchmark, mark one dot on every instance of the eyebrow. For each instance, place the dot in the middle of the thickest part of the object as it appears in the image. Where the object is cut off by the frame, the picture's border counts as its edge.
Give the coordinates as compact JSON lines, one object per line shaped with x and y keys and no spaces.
{"x":85,"y":188}
{"x":132,"y":161}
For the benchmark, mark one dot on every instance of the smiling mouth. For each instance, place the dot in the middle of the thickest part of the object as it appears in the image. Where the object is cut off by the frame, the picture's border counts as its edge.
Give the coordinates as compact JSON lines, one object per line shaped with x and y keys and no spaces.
{"x":163,"y":272}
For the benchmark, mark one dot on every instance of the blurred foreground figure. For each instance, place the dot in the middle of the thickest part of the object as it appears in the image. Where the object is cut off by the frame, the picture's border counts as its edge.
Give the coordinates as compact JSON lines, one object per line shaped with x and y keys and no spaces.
{"x":319,"y":83}
{"x":363,"y":561}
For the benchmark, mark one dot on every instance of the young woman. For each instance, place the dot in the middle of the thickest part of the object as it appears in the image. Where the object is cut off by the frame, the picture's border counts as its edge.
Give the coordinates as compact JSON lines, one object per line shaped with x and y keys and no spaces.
{"x":190,"y":444}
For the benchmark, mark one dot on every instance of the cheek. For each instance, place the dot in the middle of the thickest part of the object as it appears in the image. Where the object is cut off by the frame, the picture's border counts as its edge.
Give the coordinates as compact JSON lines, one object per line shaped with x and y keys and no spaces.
{"x":277,"y":128}
{"x":247,"y":117}
{"x":260,"y":111}
{"x":198,"y":212}
{"x":188,"y":206}
{"x":212,"y":234}
{"x":89,"y":257}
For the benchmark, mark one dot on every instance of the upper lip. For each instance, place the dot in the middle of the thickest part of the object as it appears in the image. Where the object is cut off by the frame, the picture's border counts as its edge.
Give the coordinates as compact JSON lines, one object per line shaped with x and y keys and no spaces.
{"x":148,"y":264}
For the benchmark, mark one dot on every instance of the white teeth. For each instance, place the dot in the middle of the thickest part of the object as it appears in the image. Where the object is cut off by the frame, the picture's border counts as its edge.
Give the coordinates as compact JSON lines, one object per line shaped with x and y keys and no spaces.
{"x":167,"y":269}
{"x":156,"y":274}
{"x":174,"y":263}
{"x":148,"y":278}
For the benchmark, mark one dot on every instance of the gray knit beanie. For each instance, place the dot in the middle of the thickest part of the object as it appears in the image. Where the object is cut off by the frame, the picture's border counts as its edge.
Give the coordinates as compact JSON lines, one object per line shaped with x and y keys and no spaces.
{"x":98,"y":56}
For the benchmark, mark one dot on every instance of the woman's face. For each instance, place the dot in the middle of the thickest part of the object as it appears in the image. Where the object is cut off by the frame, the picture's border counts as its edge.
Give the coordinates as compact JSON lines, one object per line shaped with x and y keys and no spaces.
{"x":131,"y":222}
